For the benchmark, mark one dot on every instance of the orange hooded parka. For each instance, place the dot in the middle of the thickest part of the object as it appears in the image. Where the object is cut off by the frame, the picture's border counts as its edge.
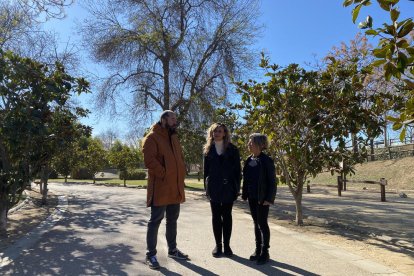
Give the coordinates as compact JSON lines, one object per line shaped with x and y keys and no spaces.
{"x":164,"y":159}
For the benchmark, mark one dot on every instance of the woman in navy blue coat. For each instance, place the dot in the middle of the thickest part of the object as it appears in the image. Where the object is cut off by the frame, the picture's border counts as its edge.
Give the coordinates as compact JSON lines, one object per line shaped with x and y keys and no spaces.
{"x":259,"y":187}
{"x":222,"y":176}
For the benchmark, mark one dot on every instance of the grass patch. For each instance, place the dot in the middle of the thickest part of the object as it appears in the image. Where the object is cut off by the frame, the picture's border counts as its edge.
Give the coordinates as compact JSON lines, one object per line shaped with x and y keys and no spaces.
{"x":191,"y":183}
{"x":398,"y":172}
{"x":102,"y":181}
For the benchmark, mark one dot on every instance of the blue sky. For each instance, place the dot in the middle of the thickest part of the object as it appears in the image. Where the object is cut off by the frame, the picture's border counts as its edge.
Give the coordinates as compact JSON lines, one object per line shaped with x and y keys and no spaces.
{"x":294,"y":32}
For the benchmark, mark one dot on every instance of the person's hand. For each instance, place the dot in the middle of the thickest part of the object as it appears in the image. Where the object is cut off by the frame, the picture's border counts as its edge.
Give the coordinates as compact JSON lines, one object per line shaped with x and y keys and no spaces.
{"x":266,"y":203}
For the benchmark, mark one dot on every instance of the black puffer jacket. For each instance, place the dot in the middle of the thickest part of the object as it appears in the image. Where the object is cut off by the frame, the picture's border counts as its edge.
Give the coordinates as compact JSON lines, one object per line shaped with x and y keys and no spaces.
{"x":267,"y":185}
{"x":222,"y":174}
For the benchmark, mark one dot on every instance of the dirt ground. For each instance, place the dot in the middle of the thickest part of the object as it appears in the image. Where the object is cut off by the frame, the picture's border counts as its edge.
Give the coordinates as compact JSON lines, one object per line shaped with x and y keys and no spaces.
{"x":27,"y":217}
{"x":31,"y":214}
{"x":370,"y":248}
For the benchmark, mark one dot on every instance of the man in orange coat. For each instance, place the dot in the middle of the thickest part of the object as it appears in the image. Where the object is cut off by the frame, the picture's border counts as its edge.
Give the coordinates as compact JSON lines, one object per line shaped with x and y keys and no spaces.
{"x":165,"y":191}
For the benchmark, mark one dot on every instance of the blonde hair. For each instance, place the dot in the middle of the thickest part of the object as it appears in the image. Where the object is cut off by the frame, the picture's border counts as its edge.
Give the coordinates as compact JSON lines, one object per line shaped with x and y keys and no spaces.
{"x":210,"y":137}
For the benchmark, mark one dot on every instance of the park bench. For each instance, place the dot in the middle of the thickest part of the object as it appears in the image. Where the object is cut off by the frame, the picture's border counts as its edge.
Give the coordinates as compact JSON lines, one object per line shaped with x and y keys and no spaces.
{"x":343,"y":181}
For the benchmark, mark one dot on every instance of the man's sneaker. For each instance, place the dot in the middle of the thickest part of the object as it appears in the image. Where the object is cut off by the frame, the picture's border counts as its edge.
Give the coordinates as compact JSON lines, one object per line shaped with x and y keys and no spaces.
{"x":152,"y":262}
{"x":177,"y":254}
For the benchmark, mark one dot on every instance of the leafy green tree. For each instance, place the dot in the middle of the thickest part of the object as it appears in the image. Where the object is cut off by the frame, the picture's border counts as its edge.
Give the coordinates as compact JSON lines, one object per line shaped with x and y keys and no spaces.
{"x":67,"y":160}
{"x":124,"y":158}
{"x":192,"y":139}
{"x":308,"y":117}
{"x":30,"y":94}
{"x":92,"y":154}
{"x":62,"y":130}
{"x":394,"y":54}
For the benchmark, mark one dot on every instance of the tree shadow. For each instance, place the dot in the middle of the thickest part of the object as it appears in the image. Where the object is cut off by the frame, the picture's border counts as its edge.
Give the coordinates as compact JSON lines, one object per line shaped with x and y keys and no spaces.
{"x":273,"y":267}
{"x":78,"y":258}
{"x":197,"y":269}
{"x":357,"y":215}
{"x":71,"y":248}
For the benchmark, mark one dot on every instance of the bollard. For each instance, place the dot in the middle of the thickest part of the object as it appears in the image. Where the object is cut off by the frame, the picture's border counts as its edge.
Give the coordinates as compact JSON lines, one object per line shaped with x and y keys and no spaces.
{"x":383,"y":182}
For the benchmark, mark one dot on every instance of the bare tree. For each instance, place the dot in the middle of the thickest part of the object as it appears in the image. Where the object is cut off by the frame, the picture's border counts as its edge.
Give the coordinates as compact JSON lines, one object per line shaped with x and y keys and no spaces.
{"x":358,"y":53}
{"x":44,"y":9}
{"x":21,"y":32}
{"x":13,"y":24}
{"x":108,"y":137}
{"x":134,"y":136}
{"x":169,"y":54}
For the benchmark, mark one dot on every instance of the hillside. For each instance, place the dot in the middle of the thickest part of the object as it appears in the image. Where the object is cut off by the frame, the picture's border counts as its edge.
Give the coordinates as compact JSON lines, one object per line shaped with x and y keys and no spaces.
{"x":398,"y":172}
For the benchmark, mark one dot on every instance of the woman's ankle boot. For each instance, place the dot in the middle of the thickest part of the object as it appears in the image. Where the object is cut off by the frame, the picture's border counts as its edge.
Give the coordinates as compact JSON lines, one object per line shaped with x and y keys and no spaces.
{"x":264,"y":256}
{"x":227,"y":250}
{"x":256,"y":254}
{"x":217,"y":251}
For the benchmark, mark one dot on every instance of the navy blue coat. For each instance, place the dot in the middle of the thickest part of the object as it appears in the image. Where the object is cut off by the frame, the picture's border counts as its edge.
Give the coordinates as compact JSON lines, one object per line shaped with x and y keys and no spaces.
{"x":267,"y":179}
{"x":222,"y":174}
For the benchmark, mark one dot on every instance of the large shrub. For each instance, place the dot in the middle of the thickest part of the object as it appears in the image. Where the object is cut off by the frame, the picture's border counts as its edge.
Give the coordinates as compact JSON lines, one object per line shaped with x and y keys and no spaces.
{"x":82,"y":173}
{"x":133,"y":175}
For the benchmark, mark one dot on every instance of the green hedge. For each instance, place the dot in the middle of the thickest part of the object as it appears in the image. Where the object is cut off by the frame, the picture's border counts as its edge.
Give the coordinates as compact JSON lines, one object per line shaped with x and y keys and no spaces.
{"x":81,"y":173}
{"x":133,"y":175}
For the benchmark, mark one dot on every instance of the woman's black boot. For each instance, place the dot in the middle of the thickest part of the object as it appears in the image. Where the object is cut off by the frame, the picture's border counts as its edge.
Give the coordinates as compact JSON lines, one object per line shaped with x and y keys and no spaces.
{"x":256,"y":254}
{"x":227,"y":250}
{"x":264,"y":256}
{"x":217,"y":251}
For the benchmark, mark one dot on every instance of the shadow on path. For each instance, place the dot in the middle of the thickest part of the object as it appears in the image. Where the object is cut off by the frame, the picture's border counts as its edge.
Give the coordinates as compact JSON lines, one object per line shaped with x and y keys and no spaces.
{"x":81,"y":244}
{"x":197,"y":269}
{"x":272,"y":267}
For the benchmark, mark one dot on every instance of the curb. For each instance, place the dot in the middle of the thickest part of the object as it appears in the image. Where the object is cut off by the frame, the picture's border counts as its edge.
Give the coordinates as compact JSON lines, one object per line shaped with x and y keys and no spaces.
{"x":24,"y":243}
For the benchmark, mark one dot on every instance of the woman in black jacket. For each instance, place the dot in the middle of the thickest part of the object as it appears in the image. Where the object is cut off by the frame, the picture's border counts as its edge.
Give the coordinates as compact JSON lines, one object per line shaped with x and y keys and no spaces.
{"x":259,"y":187}
{"x":222,"y":175}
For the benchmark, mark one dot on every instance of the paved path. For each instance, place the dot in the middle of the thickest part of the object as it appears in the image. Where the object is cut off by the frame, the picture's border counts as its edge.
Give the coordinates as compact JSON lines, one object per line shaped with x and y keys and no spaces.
{"x":101,"y":231}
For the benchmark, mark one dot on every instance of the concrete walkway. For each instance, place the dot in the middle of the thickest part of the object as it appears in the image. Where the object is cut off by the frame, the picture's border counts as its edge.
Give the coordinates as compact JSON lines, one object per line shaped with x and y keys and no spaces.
{"x":101,"y":231}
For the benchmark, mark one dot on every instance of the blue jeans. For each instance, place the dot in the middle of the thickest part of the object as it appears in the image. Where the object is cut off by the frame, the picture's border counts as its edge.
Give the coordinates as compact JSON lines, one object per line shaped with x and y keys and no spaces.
{"x":172,"y":212}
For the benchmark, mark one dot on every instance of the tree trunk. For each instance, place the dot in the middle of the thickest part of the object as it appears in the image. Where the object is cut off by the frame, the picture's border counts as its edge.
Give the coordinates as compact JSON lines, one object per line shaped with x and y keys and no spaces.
{"x":299,"y":210}
{"x":298,"y":200}
{"x":354,"y":143}
{"x":166,"y":71}
{"x":385,"y":136}
{"x":66,"y":179}
{"x":45,"y":178}
{"x":44,"y":194}
{"x":3,"y":216}
{"x":371,"y":144}
{"x":125,"y":182}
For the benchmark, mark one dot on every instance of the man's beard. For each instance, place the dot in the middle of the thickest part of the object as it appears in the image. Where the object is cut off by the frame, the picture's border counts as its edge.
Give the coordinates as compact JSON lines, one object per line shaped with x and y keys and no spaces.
{"x":172,"y":129}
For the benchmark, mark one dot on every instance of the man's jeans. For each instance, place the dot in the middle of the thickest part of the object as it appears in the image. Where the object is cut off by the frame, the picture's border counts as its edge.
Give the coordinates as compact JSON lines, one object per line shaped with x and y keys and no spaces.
{"x":157,"y":214}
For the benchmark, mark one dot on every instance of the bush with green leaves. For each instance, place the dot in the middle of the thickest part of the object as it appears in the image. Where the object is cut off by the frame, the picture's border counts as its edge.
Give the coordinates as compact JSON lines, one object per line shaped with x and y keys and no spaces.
{"x":82,"y":173}
{"x":133,"y":175}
